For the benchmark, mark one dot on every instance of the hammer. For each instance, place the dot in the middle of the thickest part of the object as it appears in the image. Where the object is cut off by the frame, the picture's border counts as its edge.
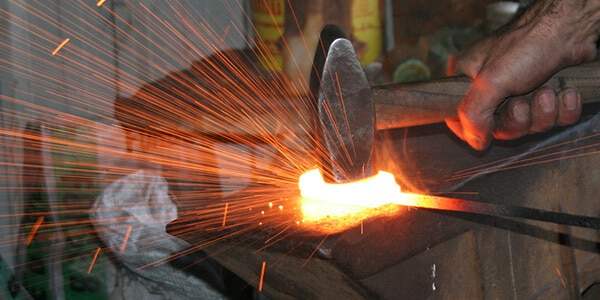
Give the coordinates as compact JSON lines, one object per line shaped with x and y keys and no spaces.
{"x":350,"y":110}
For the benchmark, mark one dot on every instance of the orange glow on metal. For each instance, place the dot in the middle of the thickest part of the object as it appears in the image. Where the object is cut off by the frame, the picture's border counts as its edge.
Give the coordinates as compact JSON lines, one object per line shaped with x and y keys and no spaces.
{"x":332,"y":208}
{"x":329,"y":200}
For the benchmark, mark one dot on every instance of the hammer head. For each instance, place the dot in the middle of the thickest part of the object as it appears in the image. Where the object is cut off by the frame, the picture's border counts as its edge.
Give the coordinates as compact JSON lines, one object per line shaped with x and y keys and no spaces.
{"x":346,"y":109}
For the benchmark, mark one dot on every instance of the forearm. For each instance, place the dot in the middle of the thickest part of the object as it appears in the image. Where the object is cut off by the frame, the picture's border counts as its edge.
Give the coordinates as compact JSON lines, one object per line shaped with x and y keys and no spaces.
{"x":573,"y":24}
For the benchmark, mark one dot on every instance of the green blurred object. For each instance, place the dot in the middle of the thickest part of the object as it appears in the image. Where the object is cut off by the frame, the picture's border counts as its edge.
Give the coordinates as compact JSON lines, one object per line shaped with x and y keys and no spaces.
{"x":411,"y":70}
{"x":10,"y":287}
{"x":82,"y":261}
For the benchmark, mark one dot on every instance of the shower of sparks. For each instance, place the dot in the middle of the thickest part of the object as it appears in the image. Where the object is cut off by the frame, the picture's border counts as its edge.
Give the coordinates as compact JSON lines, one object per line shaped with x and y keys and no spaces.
{"x":213,"y":128}
{"x":94,"y":260}
{"x":60,"y":46}
{"x":579,"y":147}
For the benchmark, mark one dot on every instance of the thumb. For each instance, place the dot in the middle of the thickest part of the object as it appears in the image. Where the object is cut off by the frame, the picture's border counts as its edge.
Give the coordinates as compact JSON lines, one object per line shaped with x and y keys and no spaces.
{"x":463,"y":63}
{"x":476,"y":114}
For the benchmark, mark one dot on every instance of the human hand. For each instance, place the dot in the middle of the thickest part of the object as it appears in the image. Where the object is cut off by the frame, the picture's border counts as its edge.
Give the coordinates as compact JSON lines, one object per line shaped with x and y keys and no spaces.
{"x":516,"y":60}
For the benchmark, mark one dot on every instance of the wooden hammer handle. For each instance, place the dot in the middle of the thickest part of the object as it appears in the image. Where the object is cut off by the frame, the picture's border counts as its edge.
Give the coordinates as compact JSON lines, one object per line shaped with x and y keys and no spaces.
{"x":433,"y":101}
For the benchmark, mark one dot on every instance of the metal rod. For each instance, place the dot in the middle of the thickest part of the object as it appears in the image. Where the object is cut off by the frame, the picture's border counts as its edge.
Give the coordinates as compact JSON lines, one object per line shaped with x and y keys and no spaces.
{"x":492,"y":209}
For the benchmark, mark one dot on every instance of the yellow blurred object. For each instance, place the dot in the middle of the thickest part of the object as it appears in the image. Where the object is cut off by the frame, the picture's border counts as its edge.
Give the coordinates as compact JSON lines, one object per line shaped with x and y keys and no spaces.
{"x":411,"y":70}
{"x":268,"y":17}
{"x":367,"y":29}
{"x":287,"y":33}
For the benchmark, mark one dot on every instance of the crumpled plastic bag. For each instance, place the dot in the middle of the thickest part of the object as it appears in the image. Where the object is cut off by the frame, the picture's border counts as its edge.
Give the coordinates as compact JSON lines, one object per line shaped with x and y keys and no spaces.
{"x":141,"y":201}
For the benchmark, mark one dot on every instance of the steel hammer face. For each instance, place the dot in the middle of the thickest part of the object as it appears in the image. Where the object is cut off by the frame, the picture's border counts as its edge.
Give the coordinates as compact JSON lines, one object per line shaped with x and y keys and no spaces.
{"x":346,"y":110}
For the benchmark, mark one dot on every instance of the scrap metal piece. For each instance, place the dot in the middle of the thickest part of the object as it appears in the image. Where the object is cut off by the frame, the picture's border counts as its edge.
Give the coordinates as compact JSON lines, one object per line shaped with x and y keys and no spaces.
{"x":347,"y":116}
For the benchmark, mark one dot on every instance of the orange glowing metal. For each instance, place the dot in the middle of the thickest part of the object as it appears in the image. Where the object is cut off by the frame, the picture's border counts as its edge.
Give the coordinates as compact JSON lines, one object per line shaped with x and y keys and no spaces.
{"x":322,"y":200}
{"x":334,"y":204}
{"x":331,"y":208}
{"x":370,"y":192}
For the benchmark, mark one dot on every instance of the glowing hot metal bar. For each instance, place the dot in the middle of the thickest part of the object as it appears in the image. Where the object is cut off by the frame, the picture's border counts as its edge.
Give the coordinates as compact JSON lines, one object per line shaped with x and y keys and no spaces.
{"x":382,"y":189}
{"x":370,"y":192}
{"x":485,"y":208}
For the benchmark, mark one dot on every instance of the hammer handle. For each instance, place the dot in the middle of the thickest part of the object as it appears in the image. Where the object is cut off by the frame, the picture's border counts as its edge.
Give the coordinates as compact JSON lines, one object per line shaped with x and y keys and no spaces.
{"x":433,"y":101}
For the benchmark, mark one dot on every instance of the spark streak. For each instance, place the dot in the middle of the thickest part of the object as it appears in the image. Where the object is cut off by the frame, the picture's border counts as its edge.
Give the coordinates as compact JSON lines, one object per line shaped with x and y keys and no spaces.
{"x":535,"y":157}
{"x":225,"y":214}
{"x":125,"y":239}
{"x":262,"y":276}
{"x":94,"y":260}
{"x":562,"y":280}
{"x":34,"y":230}
{"x":60,"y":46}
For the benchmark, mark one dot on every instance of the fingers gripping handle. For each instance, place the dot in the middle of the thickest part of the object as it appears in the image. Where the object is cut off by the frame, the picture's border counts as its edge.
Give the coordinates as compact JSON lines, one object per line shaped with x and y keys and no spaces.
{"x":433,"y":101}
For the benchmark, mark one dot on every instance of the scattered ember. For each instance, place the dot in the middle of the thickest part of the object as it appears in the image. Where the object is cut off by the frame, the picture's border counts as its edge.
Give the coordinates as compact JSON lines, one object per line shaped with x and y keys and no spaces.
{"x":94,"y":260}
{"x":562,"y":280}
{"x":34,"y":230}
{"x":126,"y":239}
{"x":225,"y":214}
{"x":60,"y":46}
{"x":262,"y":276}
